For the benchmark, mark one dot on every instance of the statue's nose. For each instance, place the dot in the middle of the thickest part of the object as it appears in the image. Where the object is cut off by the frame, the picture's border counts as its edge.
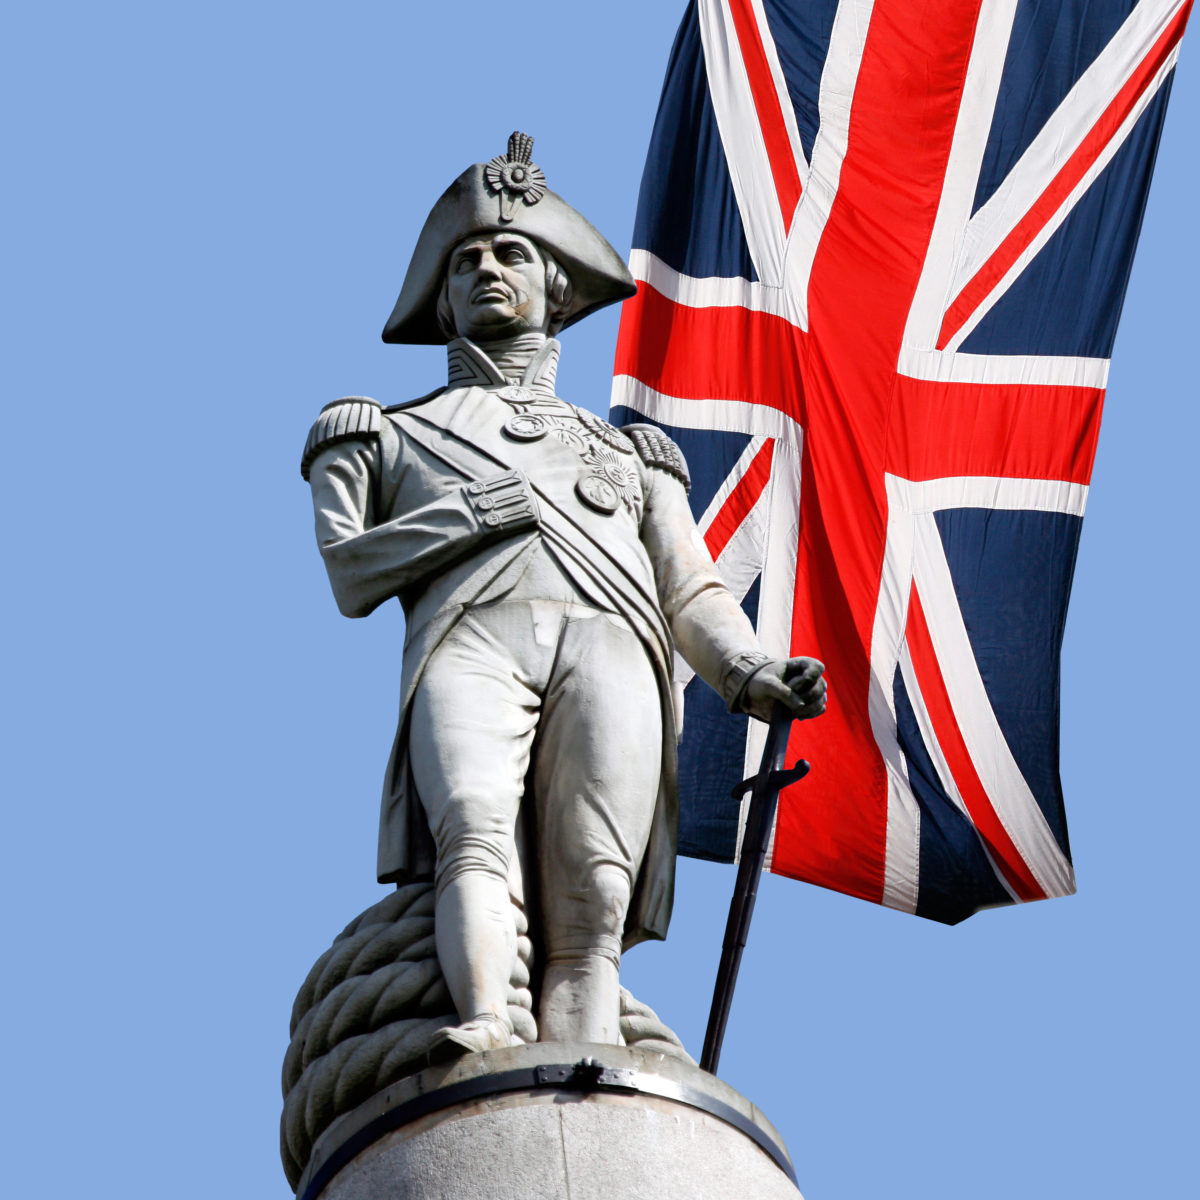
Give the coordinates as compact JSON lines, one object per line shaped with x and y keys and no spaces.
{"x":488,"y":265}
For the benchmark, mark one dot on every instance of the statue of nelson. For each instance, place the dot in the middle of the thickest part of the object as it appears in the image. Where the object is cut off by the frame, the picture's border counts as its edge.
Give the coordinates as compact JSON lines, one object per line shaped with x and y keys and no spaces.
{"x":548,"y":566}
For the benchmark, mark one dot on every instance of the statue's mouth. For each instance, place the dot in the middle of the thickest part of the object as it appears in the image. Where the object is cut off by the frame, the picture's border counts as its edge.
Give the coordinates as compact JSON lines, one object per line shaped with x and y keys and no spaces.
{"x":493,"y":295}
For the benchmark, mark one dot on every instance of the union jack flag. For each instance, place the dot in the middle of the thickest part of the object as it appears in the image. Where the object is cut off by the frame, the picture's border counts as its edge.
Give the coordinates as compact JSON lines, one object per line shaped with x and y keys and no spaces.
{"x":882,"y":247}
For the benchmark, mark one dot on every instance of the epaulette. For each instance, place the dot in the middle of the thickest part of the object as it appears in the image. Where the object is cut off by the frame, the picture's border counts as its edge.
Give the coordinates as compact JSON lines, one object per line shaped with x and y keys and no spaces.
{"x":344,"y":419}
{"x":657,"y":450}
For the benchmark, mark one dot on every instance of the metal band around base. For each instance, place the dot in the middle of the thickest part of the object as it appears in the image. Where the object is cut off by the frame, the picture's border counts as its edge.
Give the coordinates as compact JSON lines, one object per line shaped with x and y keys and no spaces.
{"x":586,"y":1075}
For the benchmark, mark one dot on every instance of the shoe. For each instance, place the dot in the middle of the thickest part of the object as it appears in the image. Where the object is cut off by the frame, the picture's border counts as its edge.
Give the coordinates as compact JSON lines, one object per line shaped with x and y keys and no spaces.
{"x":485,"y":1032}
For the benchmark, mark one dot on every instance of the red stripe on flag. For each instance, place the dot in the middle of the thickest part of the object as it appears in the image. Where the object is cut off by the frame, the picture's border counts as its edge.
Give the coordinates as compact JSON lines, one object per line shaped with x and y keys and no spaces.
{"x":1061,"y":186}
{"x":1020,"y":432}
{"x":741,"y":500}
{"x":834,"y":831}
{"x":727,"y":353}
{"x":945,"y":725}
{"x":766,"y":104}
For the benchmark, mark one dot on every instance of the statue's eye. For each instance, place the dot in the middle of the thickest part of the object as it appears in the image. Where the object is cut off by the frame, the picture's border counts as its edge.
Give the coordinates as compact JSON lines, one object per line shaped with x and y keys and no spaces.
{"x":463,"y":264}
{"x":514,"y":256}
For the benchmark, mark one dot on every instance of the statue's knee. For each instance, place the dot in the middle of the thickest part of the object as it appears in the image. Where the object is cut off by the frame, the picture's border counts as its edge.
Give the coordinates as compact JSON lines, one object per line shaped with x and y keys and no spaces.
{"x":610,"y":891}
{"x":471,"y":835}
{"x":470,"y":854}
{"x":589,"y":919}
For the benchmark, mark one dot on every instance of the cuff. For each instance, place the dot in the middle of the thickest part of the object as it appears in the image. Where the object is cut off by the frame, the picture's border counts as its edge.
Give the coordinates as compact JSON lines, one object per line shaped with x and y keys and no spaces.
{"x":503,"y":501}
{"x":737,"y":674}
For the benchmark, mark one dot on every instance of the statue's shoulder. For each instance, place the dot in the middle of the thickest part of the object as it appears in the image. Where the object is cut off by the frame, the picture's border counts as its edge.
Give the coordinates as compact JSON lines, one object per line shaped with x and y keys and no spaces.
{"x":409,"y":405}
{"x":343,"y":420}
{"x":353,"y":418}
{"x":658,"y":451}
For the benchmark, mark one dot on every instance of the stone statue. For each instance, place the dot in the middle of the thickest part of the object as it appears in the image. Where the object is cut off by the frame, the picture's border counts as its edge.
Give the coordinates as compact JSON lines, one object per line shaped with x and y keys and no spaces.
{"x":548,"y":566}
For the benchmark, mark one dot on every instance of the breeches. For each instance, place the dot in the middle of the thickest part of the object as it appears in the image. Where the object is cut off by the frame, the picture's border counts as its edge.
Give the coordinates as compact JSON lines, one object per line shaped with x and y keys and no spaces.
{"x":556,"y":707}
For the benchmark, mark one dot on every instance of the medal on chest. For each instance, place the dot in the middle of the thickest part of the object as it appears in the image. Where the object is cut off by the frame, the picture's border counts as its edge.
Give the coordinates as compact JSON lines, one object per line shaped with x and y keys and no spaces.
{"x":608,"y":456}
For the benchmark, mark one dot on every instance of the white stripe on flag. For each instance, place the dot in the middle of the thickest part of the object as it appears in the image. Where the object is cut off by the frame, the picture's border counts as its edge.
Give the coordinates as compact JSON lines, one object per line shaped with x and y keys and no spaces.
{"x":1070,"y":123}
{"x":909,"y":501}
{"x":974,"y":123}
{"x":929,"y":737}
{"x":1047,"y":231}
{"x":1010,"y":796}
{"x":731,"y":481}
{"x":787,"y":112}
{"x":720,"y":416}
{"x":777,"y":593}
{"x":986,"y":491}
{"x":756,"y":735}
{"x":742,"y":138}
{"x":902,"y":846}
{"x":712,"y":291}
{"x":741,"y":559}
{"x":847,"y":38}
{"x":948,"y":366}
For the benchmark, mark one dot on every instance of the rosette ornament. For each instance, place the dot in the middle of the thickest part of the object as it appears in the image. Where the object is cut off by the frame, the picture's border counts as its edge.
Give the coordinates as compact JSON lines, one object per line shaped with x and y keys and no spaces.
{"x":513,"y":176}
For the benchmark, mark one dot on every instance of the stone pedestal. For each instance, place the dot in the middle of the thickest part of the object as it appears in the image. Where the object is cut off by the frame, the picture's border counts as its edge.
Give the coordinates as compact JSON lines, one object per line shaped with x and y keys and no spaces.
{"x":553,"y":1122}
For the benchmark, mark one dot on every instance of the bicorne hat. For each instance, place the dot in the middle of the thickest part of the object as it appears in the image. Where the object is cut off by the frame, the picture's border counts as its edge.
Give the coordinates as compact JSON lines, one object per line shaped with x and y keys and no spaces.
{"x":508,"y":193}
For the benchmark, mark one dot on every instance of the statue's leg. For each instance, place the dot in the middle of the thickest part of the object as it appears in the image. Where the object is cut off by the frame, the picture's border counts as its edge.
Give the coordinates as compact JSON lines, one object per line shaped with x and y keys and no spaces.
{"x":472,"y":724}
{"x":596,"y":780}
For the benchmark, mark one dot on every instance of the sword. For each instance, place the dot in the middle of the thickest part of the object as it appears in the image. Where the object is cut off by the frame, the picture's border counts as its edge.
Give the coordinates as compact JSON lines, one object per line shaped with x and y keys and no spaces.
{"x":764,"y":790}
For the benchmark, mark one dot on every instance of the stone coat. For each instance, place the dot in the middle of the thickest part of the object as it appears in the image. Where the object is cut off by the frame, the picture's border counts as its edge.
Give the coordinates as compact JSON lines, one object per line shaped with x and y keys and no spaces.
{"x":395,"y":517}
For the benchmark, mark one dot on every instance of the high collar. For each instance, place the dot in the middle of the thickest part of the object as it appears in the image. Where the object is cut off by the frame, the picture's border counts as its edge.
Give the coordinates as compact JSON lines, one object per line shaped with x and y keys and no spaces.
{"x":469,"y":366}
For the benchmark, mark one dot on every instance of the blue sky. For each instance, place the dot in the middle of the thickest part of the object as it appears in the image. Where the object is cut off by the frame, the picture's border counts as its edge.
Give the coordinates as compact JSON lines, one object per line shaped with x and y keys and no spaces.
{"x":210,"y":210}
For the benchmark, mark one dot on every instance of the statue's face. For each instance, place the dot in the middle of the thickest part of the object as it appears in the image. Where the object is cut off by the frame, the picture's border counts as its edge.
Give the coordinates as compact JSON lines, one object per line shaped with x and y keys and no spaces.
{"x":496,"y":287}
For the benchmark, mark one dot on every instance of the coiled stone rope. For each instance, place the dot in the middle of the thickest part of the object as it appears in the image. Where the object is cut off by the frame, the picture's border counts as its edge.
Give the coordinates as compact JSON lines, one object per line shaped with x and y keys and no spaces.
{"x":367,"y":1012}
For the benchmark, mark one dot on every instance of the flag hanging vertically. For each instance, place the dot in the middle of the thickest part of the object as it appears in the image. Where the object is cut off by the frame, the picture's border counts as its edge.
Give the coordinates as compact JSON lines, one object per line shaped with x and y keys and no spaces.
{"x":881,"y":248}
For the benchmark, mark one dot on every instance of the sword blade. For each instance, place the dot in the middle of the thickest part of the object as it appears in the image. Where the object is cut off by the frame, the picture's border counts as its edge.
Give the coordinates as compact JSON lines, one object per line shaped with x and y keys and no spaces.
{"x":760,"y":819}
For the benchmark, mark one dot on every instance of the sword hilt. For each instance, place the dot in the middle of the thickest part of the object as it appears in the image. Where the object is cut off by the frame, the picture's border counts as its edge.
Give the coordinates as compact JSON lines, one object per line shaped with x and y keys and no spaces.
{"x":774,"y":780}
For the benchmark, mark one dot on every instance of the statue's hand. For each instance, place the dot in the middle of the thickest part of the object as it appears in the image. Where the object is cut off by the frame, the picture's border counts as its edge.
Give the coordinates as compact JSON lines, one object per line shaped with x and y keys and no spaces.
{"x":504,"y":503}
{"x":797,"y":683}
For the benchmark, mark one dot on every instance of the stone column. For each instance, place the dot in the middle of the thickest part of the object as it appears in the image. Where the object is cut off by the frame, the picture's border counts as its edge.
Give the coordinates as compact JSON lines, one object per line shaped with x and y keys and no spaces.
{"x":553,"y":1121}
